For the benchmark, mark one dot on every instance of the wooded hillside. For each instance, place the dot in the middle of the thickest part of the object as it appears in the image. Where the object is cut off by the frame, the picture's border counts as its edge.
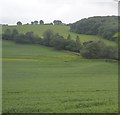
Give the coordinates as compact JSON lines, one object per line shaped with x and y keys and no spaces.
{"x":105,"y":26}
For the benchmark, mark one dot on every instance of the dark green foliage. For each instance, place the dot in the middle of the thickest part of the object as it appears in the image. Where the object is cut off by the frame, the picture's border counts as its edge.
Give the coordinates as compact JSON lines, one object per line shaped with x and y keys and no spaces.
{"x":71,"y":45}
{"x":111,"y":52}
{"x":78,"y":44}
{"x":105,"y":26}
{"x":19,"y":23}
{"x":58,"y":42}
{"x":32,"y":23}
{"x":41,"y":22}
{"x":93,"y":50}
{"x":85,"y":43}
{"x":57,"y":22}
{"x":7,"y":35}
{"x":48,"y":36}
{"x":35,"y":22}
{"x":107,"y":31}
{"x":14,"y":33}
{"x":48,"y":24}
{"x":28,"y":38}
{"x":33,"y":39}
{"x":22,"y":39}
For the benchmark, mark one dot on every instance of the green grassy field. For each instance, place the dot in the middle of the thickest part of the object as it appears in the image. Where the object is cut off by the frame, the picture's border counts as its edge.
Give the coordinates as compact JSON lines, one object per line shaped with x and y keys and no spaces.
{"x":40,"y":79}
{"x":61,"y":29}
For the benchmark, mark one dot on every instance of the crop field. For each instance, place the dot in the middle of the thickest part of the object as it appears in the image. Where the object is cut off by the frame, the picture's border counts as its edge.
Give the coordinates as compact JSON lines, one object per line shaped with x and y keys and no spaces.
{"x":61,"y":29}
{"x":41,"y":79}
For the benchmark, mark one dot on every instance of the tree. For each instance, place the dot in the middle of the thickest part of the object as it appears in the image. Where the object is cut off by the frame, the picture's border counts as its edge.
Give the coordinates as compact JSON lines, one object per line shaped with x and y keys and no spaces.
{"x":30,"y":36}
{"x":78,"y":44}
{"x":47,"y":37}
{"x":19,"y":23}
{"x":41,"y":22}
{"x":22,"y":39}
{"x":33,"y":39}
{"x":92,"y":50}
{"x":58,"y":42}
{"x":14,"y":33}
{"x":98,"y":49}
{"x":7,"y":35}
{"x":35,"y":22}
{"x":57,"y":22}
{"x":110,"y":52}
{"x":70,"y":45}
{"x":32,"y":23}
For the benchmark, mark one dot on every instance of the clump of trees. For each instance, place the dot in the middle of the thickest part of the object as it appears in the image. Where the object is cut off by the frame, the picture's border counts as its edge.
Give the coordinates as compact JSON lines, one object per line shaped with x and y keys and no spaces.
{"x":36,"y":22}
{"x":57,"y":22}
{"x":41,"y":22}
{"x":57,"y":41}
{"x":105,"y":26}
{"x":27,"y":38}
{"x":97,"y":50}
{"x":49,"y":39}
{"x":90,"y":50}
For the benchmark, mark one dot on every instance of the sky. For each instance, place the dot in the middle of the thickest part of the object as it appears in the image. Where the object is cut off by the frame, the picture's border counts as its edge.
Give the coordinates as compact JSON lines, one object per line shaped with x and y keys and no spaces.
{"x":68,"y":11}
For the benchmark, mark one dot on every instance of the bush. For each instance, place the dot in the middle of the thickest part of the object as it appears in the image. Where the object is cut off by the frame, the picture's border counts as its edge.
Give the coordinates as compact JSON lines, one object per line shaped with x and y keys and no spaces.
{"x":95,"y":50}
{"x":22,"y":39}
{"x":7,"y":35}
{"x":91,"y":50}
{"x":47,"y":37}
{"x":58,"y":42}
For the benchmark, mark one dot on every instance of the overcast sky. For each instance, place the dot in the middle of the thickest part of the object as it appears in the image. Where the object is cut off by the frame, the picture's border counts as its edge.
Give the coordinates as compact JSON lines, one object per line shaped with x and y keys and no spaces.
{"x":68,"y":11}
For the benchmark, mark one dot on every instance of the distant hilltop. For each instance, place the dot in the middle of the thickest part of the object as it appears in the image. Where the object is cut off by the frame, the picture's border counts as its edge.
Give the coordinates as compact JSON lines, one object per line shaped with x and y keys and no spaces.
{"x":104,"y":26}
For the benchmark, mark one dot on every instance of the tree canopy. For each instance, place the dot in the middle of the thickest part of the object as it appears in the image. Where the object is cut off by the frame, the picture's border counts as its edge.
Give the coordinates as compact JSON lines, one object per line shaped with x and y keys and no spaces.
{"x":19,"y":23}
{"x":105,"y":26}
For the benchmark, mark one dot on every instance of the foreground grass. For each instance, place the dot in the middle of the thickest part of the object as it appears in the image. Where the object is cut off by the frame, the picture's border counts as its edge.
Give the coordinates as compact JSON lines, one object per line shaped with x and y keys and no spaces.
{"x":39,"y":79}
{"x":61,"y":29}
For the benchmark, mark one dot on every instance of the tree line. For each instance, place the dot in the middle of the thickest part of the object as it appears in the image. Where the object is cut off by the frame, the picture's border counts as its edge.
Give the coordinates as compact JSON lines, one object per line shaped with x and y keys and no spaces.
{"x":104,"y":26}
{"x":90,"y":49}
{"x":55,"y":22}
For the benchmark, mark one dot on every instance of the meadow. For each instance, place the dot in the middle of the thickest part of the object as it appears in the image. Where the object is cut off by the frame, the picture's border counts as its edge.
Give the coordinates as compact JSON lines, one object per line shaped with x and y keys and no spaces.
{"x":61,"y":29}
{"x":41,"y":79}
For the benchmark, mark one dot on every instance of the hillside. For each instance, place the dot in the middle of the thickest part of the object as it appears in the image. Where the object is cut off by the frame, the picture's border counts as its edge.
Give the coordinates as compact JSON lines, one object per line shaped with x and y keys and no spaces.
{"x":40,"y":79}
{"x":104,"y":26}
{"x":12,"y":51}
{"x":62,"y":30}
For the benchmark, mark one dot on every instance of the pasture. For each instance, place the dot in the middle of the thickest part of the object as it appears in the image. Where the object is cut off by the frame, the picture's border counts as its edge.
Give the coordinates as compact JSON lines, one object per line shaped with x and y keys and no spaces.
{"x":61,"y":29}
{"x":40,"y":79}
